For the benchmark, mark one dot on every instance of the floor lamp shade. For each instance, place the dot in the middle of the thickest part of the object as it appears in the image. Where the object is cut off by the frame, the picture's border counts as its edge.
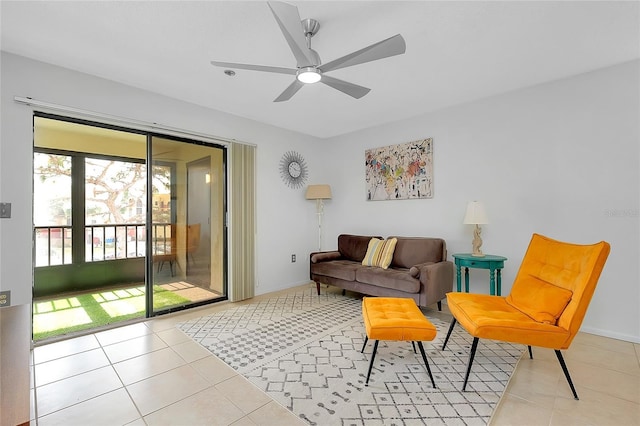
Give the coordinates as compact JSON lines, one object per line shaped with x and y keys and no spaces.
{"x":319,"y":193}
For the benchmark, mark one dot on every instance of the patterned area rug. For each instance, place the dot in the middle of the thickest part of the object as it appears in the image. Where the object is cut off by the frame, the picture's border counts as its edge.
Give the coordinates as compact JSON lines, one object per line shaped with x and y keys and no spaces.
{"x":303,"y":350}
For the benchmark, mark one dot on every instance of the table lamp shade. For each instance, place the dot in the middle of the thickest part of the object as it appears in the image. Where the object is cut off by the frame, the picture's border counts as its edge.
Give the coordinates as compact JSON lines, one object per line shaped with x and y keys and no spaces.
{"x":318,"y":192}
{"x":475,"y":214}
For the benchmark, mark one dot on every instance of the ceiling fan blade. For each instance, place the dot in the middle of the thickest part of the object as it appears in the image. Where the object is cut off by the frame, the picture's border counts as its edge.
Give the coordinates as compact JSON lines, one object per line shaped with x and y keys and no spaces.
{"x":383,"y":49}
{"x":278,"y":70}
{"x":290,"y":24}
{"x":289,"y":91}
{"x":350,"y":89}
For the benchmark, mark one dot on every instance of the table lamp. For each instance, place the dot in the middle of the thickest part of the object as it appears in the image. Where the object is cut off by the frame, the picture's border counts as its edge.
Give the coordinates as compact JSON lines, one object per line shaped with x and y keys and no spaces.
{"x":476,"y":215}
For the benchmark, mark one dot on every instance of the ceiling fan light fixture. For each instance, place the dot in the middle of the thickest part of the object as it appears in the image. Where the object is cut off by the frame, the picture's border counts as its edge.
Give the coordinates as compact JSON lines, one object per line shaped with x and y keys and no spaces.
{"x":308,"y":75}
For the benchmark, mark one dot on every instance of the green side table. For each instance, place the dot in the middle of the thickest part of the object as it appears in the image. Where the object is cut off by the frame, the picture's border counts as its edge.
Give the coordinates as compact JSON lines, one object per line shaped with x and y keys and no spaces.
{"x":492,"y":263}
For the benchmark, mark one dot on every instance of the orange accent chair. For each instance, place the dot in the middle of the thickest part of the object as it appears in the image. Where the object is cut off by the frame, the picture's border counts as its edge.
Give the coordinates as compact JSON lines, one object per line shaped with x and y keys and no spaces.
{"x":548,"y":300}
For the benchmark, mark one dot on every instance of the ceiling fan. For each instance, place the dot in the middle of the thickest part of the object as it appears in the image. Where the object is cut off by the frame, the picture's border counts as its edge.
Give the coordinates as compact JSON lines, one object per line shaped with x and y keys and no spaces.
{"x":309,"y":67}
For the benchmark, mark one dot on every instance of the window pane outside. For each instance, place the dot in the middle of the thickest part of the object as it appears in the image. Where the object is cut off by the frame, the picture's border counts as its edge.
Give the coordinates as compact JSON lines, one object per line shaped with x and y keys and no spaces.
{"x":115,"y":205}
{"x":52,"y":209}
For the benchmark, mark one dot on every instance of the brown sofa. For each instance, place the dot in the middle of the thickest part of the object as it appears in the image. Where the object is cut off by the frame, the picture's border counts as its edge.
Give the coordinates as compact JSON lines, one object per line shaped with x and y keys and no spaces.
{"x":419,"y":269}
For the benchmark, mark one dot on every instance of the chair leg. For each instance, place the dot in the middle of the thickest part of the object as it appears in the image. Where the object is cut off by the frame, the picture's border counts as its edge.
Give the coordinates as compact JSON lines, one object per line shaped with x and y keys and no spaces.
{"x":373,"y":356}
{"x":426,"y":363}
{"x":566,"y":374}
{"x":366,"y":339}
{"x":472,"y":355}
{"x":414,"y":346}
{"x":446,"y":339}
{"x":440,"y":305}
{"x":530,"y":352}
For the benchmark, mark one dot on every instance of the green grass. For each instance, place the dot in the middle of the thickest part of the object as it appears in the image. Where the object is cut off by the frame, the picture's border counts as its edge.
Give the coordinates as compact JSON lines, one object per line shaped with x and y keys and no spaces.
{"x":75,"y":313}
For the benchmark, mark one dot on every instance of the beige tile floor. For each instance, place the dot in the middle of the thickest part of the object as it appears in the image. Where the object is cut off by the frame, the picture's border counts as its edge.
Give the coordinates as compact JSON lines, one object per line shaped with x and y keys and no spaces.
{"x":150,"y":373}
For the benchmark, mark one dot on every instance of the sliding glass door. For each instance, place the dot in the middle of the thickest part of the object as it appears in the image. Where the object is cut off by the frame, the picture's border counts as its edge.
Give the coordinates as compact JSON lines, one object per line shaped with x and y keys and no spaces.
{"x":188,"y":205}
{"x":127,"y":224}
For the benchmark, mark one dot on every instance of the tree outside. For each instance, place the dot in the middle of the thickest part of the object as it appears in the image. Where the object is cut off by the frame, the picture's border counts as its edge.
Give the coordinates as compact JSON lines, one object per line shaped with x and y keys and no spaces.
{"x":115,"y":194}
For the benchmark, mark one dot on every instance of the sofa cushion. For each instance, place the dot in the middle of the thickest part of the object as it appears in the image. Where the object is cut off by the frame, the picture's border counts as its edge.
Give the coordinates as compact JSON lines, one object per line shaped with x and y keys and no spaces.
{"x":540,"y":300}
{"x":411,"y":251}
{"x":341,"y":269}
{"x":380,"y":252}
{"x":396,"y":279}
{"x":354,"y":247}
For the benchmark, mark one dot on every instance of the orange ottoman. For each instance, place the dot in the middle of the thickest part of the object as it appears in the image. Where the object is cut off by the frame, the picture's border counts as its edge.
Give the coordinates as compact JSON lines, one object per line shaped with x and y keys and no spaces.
{"x":392,"y":318}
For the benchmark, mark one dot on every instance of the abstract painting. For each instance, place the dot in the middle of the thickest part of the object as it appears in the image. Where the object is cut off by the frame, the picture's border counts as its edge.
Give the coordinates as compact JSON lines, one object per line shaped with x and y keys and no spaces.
{"x":400,"y":172}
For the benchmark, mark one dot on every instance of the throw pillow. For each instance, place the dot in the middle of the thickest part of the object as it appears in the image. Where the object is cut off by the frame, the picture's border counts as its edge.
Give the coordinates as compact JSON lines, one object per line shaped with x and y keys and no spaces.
{"x":414,"y":271}
{"x":540,"y":300}
{"x":380,"y":252}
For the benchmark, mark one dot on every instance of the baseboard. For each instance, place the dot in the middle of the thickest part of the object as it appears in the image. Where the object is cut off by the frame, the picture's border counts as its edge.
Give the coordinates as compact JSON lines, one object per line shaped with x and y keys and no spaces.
{"x":612,"y":335}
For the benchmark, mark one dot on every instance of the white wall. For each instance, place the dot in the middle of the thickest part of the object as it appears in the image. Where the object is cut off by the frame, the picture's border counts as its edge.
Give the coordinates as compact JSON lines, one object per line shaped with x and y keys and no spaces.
{"x":284,"y":227}
{"x":556,"y":159}
{"x":560,"y":159}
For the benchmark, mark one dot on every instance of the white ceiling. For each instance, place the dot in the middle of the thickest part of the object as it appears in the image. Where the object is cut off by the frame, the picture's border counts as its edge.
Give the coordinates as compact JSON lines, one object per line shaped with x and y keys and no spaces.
{"x":456,"y":51}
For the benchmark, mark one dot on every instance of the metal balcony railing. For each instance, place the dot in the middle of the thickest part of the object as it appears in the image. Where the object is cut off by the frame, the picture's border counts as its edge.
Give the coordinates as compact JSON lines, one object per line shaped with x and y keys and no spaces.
{"x":53,"y":244}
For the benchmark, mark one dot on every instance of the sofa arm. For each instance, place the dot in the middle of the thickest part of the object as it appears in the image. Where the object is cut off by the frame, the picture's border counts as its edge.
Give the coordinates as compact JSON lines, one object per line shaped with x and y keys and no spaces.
{"x":437,"y":278}
{"x":325,"y":256}
{"x":439,"y":271}
{"x":416,"y":270}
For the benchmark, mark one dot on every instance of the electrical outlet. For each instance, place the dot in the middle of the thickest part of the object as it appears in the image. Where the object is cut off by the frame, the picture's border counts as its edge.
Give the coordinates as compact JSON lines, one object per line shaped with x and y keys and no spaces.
{"x":5,"y":298}
{"x":293,"y":258}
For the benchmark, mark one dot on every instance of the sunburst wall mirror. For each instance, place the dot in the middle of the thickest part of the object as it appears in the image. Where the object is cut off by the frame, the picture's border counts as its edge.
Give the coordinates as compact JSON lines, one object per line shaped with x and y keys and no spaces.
{"x":293,"y":169}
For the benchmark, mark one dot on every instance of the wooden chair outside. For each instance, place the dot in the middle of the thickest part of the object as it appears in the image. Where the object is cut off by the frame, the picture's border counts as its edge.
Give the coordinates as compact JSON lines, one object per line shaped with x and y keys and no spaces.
{"x":193,"y":240}
{"x":165,"y":247}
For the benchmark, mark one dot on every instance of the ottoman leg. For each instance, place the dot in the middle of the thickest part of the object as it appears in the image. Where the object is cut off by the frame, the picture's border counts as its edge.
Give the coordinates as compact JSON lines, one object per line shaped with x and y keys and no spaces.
{"x":414,"y":346}
{"x":366,"y":339}
{"x":426,"y":363}
{"x":373,"y":356}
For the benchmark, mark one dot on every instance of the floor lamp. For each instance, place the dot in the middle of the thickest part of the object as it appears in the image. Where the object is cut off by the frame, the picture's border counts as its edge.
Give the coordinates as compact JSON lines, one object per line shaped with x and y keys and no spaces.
{"x":319,"y":193}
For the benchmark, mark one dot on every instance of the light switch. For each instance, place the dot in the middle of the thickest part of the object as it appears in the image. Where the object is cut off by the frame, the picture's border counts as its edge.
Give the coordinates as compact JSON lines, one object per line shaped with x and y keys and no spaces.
{"x":5,"y":210}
